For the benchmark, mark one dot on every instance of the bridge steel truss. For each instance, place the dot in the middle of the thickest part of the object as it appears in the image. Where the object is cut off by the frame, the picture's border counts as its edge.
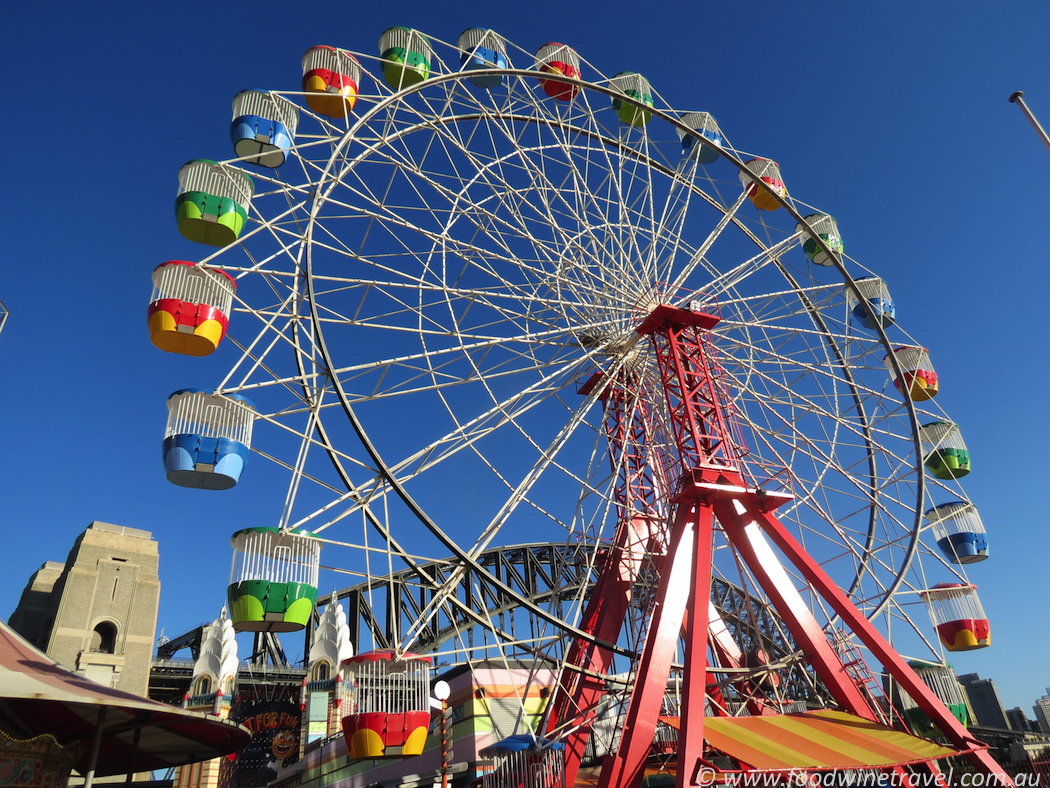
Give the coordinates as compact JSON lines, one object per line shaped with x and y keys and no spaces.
{"x":556,"y":575}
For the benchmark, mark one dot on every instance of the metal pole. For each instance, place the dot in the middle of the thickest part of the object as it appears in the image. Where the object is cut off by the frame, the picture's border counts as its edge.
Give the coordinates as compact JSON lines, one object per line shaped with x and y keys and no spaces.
{"x":443,"y":729}
{"x":131,"y":758}
{"x":96,"y":744}
{"x":1016,"y":99}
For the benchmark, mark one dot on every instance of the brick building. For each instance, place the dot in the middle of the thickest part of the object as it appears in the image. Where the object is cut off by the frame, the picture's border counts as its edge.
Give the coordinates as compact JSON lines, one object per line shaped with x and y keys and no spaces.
{"x":96,"y":614}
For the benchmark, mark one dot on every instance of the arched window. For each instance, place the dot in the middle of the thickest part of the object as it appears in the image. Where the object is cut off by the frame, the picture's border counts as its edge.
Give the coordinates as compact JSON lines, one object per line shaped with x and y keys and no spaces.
{"x":104,"y":638}
{"x":321,"y":671}
{"x":203,"y":685}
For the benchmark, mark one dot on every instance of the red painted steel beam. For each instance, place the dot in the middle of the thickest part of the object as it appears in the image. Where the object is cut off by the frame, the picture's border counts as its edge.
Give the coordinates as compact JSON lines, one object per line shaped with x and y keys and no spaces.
{"x":694,"y":690}
{"x":891,"y":661}
{"x":640,"y":535}
{"x":797,"y":617}
{"x":579,"y":691}
{"x":677,"y":577}
{"x":698,"y":400}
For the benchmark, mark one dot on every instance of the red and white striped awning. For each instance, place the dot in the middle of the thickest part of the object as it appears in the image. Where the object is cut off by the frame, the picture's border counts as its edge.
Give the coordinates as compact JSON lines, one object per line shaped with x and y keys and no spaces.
{"x":815,"y":740}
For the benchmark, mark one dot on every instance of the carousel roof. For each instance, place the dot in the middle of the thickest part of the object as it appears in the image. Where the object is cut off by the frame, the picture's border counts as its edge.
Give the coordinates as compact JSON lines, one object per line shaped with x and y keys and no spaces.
{"x":38,"y":696}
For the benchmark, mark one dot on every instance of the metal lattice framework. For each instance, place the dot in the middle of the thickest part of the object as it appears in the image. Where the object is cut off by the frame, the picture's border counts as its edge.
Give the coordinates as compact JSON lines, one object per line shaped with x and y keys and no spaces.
{"x":541,"y":573}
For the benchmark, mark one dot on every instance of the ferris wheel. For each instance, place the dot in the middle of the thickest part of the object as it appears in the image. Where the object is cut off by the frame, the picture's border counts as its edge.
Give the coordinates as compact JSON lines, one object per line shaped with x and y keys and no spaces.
{"x":448,"y":273}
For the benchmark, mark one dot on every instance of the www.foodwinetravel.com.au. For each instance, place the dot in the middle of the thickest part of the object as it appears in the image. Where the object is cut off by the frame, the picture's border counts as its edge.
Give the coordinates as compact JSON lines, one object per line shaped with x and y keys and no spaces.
{"x":798,"y":778}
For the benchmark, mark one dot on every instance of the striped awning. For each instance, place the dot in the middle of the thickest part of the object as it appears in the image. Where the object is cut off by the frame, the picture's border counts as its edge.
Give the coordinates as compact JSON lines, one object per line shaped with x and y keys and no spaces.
{"x":815,"y":740}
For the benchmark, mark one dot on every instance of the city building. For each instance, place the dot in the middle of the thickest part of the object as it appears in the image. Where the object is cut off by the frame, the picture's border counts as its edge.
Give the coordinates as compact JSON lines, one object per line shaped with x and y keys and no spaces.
{"x":96,"y":614}
{"x":1042,"y":712}
{"x":1019,"y":721}
{"x":985,"y":702}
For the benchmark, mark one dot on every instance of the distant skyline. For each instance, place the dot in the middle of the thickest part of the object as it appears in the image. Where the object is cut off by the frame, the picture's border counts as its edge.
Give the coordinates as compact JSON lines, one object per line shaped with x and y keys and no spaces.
{"x":895,"y":118}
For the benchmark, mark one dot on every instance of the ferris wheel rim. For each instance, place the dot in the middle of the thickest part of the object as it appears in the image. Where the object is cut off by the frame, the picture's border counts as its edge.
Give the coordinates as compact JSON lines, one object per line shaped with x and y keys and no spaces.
{"x":311,"y":380}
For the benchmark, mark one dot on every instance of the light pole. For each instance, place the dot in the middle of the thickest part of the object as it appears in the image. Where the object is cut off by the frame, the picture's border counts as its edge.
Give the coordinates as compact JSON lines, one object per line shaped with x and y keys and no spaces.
{"x":1016,"y":99}
{"x":441,"y":692}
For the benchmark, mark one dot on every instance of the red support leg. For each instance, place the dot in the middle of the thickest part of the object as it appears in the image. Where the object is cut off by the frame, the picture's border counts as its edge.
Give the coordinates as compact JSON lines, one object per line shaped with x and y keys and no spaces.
{"x":797,"y":616}
{"x":694,"y":691}
{"x":641,"y":494}
{"x":580,"y":691}
{"x":661,"y":644}
{"x":891,"y":661}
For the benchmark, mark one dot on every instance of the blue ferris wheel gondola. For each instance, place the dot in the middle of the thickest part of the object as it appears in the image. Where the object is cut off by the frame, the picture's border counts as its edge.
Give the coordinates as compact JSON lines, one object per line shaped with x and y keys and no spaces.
{"x":706,"y":126}
{"x":263,"y":127}
{"x":482,"y":50}
{"x":207,"y":439}
{"x":876,"y":308}
{"x":959,"y":532}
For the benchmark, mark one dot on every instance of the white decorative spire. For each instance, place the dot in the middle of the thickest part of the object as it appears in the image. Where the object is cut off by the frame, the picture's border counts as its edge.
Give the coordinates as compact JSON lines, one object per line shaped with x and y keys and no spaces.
{"x":332,"y":637}
{"x":218,"y":656}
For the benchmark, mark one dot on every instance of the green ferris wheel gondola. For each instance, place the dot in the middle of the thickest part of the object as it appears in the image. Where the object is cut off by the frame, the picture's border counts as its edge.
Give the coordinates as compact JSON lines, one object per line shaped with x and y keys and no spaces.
{"x":273,"y":580}
{"x":824,"y":226}
{"x":946,"y":455}
{"x":635,"y":86}
{"x":407,"y":57}
{"x":213,"y":202}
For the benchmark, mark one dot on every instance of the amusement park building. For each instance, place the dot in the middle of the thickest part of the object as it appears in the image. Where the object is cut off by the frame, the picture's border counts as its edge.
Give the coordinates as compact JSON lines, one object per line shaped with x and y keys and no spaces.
{"x":495,"y":700}
{"x":97,"y":613}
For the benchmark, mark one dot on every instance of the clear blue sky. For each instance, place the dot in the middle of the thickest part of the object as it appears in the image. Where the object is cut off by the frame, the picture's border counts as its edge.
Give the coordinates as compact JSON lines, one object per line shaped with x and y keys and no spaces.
{"x":893,"y":116}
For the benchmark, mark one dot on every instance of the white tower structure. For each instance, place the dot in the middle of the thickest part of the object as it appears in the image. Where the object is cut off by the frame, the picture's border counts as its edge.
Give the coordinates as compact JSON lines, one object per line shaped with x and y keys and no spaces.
{"x":215,"y":671}
{"x":211,"y":691}
{"x":330,"y":648}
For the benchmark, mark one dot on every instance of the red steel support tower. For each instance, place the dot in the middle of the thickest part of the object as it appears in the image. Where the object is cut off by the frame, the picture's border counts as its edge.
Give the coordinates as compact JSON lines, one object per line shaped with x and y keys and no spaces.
{"x":711,"y":485}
